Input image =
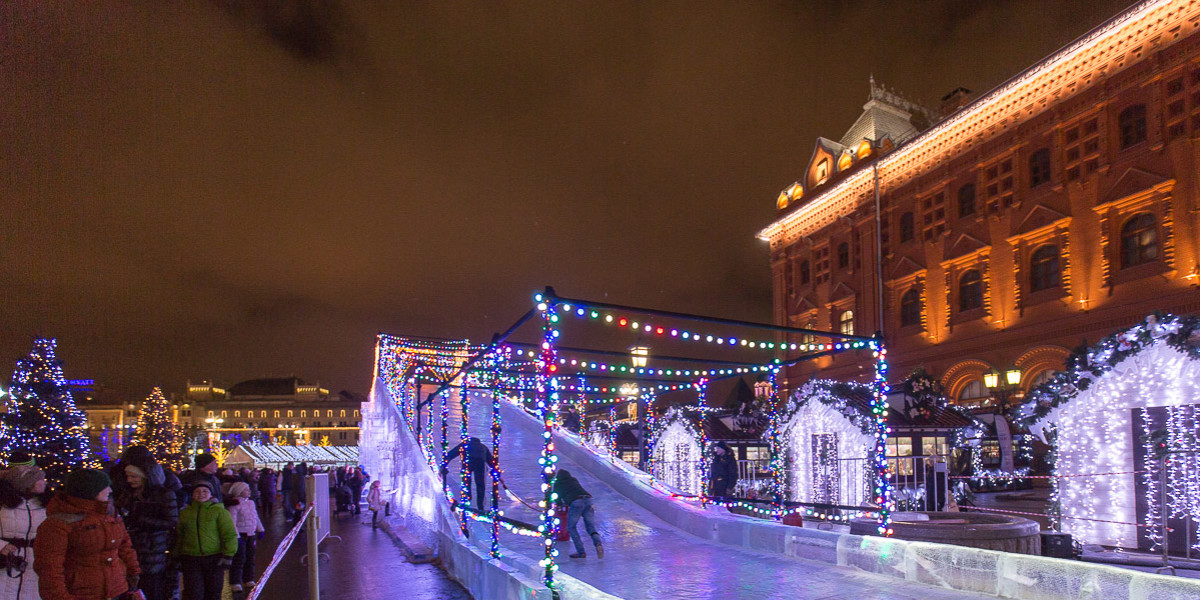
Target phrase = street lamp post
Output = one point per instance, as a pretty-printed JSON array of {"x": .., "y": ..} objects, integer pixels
[
  {"x": 1002, "y": 390},
  {"x": 639, "y": 356}
]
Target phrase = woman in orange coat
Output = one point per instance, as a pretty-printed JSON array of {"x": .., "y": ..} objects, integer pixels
[{"x": 83, "y": 552}]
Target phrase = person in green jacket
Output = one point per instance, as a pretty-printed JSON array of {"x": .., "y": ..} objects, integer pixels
[{"x": 205, "y": 545}]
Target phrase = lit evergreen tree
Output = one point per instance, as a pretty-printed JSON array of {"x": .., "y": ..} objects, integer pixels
[
  {"x": 155, "y": 430},
  {"x": 42, "y": 419}
]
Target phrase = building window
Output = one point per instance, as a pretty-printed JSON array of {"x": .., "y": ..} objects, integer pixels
[
  {"x": 907, "y": 227},
  {"x": 210, "y": 414},
  {"x": 356, "y": 412},
  {"x": 237, "y": 414},
  {"x": 1081, "y": 149},
  {"x": 1044, "y": 272},
  {"x": 974, "y": 394},
  {"x": 970, "y": 291},
  {"x": 822, "y": 171},
  {"x": 1039, "y": 167},
  {"x": 966, "y": 200},
  {"x": 262, "y": 414},
  {"x": 329, "y": 413},
  {"x": 999, "y": 186},
  {"x": 1132, "y": 125},
  {"x": 224, "y": 414},
  {"x": 843, "y": 255},
  {"x": 846, "y": 322},
  {"x": 933, "y": 221},
  {"x": 289, "y": 414},
  {"x": 276, "y": 414},
  {"x": 1139, "y": 240},
  {"x": 805, "y": 273},
  {"x": 343, "y": 415},
  {"x": 910, "y": 308}
]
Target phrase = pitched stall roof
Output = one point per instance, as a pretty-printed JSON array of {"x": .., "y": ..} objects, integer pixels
[
  {"x": 260, "y": 454},
  {"x": 941, "y": 418}
]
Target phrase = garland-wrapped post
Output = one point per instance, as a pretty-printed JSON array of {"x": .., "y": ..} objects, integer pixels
[
  {"x": 464, "y": 471},
  {"x": 495, "y": 550},
  {"x": 879, "y": 410},
  {"x": 612, "y": 432},
  {"x": 441, "y": 457},
  {"x": 773, "y": 445},
  {"x": 547, "y": 409}
]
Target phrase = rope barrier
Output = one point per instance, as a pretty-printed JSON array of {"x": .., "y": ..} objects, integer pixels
[{"x": 280, "y": 550}]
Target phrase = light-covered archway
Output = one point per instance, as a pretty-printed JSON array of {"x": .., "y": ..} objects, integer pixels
[
  {"x": 825, "y": 449},
  {"x": 678, "y": 457}
]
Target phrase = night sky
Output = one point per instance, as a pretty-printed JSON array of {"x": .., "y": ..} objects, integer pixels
[{"x": 227, "y": 190}]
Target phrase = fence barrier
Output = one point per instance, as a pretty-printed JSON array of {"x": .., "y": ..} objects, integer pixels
[{"x": 280, "y": 551}]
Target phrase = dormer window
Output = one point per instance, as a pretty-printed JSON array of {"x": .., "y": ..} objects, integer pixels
[
  {"x": 845, "y": 161},
  {"x": 822, "y": 171}
]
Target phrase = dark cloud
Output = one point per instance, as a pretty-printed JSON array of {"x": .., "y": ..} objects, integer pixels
[{"x": 233, "y": 189}]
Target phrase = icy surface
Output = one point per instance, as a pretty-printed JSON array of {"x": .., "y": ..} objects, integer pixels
[{"x": 648, "y": 558}]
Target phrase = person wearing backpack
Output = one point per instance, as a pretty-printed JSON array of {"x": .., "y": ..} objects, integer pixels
[
  {"x": 83, "y": 552},
  {"x": 206, "y": 544}
]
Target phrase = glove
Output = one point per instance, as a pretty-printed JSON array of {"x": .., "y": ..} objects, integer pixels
[
  {"x": 225, "y": 562},
  {"x": 132, "y": 581}
]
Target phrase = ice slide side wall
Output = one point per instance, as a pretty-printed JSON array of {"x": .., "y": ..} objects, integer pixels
[
  {"x": 418, "y": 501},
  {"x": 1003, "y": 574}
]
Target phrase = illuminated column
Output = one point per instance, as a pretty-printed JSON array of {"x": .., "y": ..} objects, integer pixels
[{"x": 547, "y": 408}]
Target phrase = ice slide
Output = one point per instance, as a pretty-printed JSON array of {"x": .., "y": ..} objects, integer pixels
[{"x": 648, "y": 558}]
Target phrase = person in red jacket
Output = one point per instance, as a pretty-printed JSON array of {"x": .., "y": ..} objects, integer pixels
[{"x": 83, "y": 552}]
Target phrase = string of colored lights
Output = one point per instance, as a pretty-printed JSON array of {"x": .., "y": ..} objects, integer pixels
[
  {"x": 879, "y": 408},
  {"x": 547, "y": 408}
]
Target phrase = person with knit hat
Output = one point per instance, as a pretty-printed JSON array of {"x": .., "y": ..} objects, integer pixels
[
  {"x": 249, "y": 527},
  {"x": 206, "y": 470},
  {"x": 23, "y": 501},
  {"x": 83, "y": 552},
  {"x": 152, "y": 517},
  {"x": 206, "y": 543}
]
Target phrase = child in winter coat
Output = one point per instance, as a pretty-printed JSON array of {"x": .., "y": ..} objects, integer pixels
[
  {"x": 23, "y": 502},
  {"x": 83, "y": 552},
  {"x": 206, "y": 544},
  {"x": 375, "y": 500},
  {"x": 249, "y": 528}
]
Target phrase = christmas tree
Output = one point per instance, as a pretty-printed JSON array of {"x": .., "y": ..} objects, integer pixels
[
  {"x": 157, "y": 432},
  {"x": 42, "y": 419}
]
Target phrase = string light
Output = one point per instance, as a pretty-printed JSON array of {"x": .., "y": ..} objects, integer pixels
[
  {"x": 157, "y": 432},
  {"x": 41, "y": 417}
]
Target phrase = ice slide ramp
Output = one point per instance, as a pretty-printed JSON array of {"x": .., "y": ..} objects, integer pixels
[{"x": 663, "y": 548}]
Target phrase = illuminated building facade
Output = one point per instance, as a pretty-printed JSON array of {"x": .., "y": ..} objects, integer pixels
[
  {"x": 1060, "y": 206},
  {"x": 283, "y": 410}
]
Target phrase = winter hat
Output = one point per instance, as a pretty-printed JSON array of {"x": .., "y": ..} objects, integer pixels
[
  {"x": 237, "y": 488},
  {"x": 205, "y": 483},
  {"x": 135, "y": 470},
  {"x": 203, "y": 460},
  {"x": 23, "y": 477},
  {"x": 20, "y": 459},
  {"x": 86, "y": 483}
]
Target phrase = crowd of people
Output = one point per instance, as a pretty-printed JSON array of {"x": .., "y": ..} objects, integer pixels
[{"x": 136, "y": 529}]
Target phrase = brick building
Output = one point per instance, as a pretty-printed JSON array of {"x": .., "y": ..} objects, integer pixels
[{"x": 1062, "y": 205}]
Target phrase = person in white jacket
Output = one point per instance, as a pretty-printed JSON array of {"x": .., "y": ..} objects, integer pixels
[
  {"x": 249, "y": 528},
  {"x": 22, "y": 510}
]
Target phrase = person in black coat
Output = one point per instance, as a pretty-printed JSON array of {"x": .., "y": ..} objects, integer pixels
[
  {"x": 206, "y": 472},
  {"x": 356, "y": 480},
  {"x": 285, "y": 488},
  {"x": 151, "y": 516},
  {"x": 266, "y": 491},
  {"x": 724, "y": 474},
  {"x": 477, "y": 458}
]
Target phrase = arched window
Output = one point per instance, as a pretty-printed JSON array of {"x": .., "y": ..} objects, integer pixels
[
  {"x": 970, "y": 290},
  {"x": 910, "y": 308},
  {"x": 974, "y": 392},
  {"x": 966, "y": 200},
  {"x": 846, "y": 322},
  {"x": 843, "y": 255},
  {"x": 1041, "y": 378},
  {"x": 343, "y": 415},
  {"x": 1044, "y": 272},
  {"x": 262, "y": 414},
  {"x": 1139, "y": 240},
  {"x": 237, "y": 414},
  {"x": 210, "y": 414},
  {"x": 276, "y": 414},
  {"x": 1039, "y": 167},
  {"x": 304, "y": 414},
  {"x": 907, "y": 228},
  {"x": 289, "y": 414},
  {"x": 1132, "y": 125},
  {"x": 224, "y": 414},
  {"x": 805, "y": 273},
  {"x": 356, "y": 412},
  {"x": 329, "y": 413}
]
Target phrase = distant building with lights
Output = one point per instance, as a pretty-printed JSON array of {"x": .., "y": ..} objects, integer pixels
[
  {"x": 283, "y": 410},
  {"x": 1062, "y": 205}
]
